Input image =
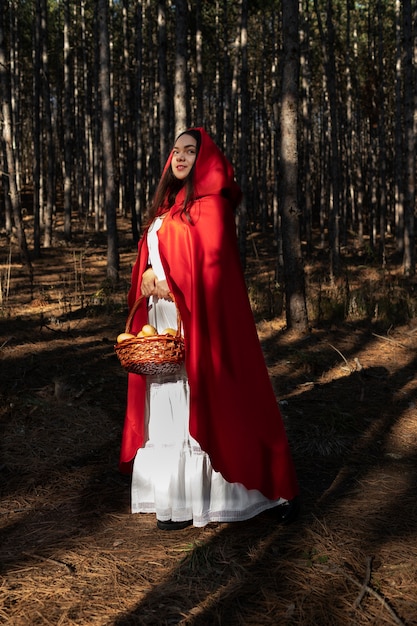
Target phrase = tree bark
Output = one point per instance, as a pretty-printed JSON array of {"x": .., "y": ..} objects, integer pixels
[
  {"x": 328, "y": 45},
  {"x": 49, "y": 140},
  {"x": 12, "y": 187},
  {"x": 409, "y": 258},
  {"x": 139, "y": 187},
  {"x": 296, "y": 309},
  {"x": 163, "y": 84},
  {"x": 36, "y": 133},
  {"x": 199, "y": 113},
  {"x": 398, "y": 148},
  {"x": 180, "y": 94},
  {"x": 107, "y": 129},
  {"x": 67, "y": 121},
  {"x": 244, "y": 140},
  {"x": 382, "y": 139}
]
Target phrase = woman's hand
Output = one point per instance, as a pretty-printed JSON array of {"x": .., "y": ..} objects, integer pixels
[
  {"x": 151, "y": 286},
  {"x": 148, "y": 284},
  {"x": 162, "y": 290}
]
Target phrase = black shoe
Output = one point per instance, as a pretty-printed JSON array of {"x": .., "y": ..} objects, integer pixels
[
  {"x": 287, "y": 512},
  {"x": 170, "y": 525}
]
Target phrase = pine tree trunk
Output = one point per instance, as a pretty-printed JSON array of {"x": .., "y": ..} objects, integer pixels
[
  {"x": 36, "y": 133},
  {"x": 334, "y": 213},
  {"x": 84, "y": 137},
  {"x": 296, "y": 310},
  {"x": 47, "y": 116},
  {"x": 398, "y": 149},
  {"x": 67, "y": 119},
  {"x": 163, "y": 84},
  {"x": 107, "y": 129},
  {"x": 409, "y": 259},
  {"x": 180, "y": 95},
  {"x": 305, "y": 158},
  {"x": 232, "y": 113},
  {"x": 199, "y": 113},
  {"x": 244, "y": 132},
  {"x": 382, "y": 161},
  {"x": 12, "y": 188},
  {"x": 139, "y": 187},
  {"x": 328, "y": 47}
]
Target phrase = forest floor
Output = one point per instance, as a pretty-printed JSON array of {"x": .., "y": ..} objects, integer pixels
[{"x": 72, "y": 554}]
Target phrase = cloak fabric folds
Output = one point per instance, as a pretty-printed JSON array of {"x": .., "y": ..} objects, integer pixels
[
  {"x": 234, "y": 415},
  {"x": 172, "y": 476}
]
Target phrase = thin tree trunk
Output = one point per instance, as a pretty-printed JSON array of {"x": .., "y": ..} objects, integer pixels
[
  {"x": 16, "y": 67},
  {"x": 85, "y": 166},
  {"x": 244, "y": 132},
  {"x": 307, "y": 127},
  {"x": 199, "y": 113},
  {"x": 275, "y": 153},
  {"x": 107, "y": 129},
  {"x": 97, "y": 140},
  {"x": 409, "y": 259},
  {"x": 382, "y": 139},
  {"x": 328, "y": 46},
  {"x": 180, "y": 95},
  {"x": 398, "y": 149},
  {"x": 50, "y": 147},
  {"x": 334, "y": 214},
  {"x": 296, "y": 309},
  {"x": 163, "y": 84},
  {"x": 139, "y": 187},
  {"x": 123, "y": 116},
  {"x": 67, "y": 120},
  {"x": 232, "y": 113},
  {"x": 6, "y": 110},
  {"x": 36, "y": 133},
  {"x": 218, "y": 82},
  {"x": 8, "y": 220}
]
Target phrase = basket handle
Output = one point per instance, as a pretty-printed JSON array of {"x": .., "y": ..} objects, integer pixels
[{"x": 136, "y": 306}]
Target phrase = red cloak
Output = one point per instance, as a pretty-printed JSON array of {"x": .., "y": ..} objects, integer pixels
[{"x": 234, "y": 414}]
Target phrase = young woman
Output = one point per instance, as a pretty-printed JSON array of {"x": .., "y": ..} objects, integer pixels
[{"x": 209, "y": 443}]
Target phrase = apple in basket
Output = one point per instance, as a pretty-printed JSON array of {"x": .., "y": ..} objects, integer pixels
[
  {"x": 124, "y": 337},
  {"x": 147, "y": 331},
  {"x": 169, "y": 331}
]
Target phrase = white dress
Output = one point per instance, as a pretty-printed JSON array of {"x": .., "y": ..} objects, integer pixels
[{"x": 172, "y": 475}]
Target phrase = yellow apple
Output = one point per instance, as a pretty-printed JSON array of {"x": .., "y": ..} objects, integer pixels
[
  {"x": 148, "y": 330},
  {"x": 123, "y": 337}
]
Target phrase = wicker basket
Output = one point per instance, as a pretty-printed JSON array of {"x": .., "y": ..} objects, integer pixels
[{"x": 157, "y": 354}]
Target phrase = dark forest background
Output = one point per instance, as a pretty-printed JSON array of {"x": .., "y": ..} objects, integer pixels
[{"x": 93, "y": 94}]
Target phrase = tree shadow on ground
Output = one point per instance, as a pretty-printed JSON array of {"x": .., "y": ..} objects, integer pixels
[
  {"x": 59, "y": 457},
  {"x": 309, "y": 573}
]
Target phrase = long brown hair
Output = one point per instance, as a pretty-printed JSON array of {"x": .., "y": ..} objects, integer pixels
[{"x": 169, "y": 186}]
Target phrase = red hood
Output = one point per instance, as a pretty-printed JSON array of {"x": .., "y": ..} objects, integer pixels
[{"x": 213, "y": 174}]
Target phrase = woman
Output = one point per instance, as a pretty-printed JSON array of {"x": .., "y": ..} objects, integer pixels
[{"x": 209, "y": 444}]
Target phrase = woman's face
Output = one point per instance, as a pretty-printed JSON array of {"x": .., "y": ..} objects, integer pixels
[{"x": 184, "y": 155}]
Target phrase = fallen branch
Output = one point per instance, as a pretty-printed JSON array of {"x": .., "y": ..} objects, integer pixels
[
  {"x": 5, "y": 342},
  {"x": 365, "y": 584},
  {"x": 47, "y": 559},
  {"x": 397, "y": 343},
  {"x": 345, "y": 360},
  {"x": 366, "y": 588}
]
